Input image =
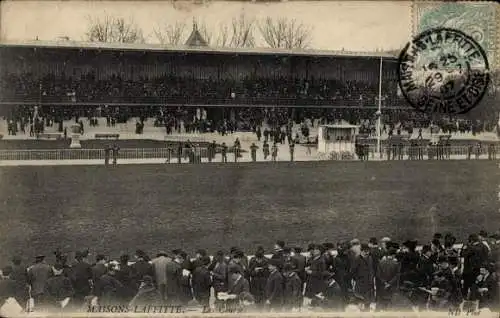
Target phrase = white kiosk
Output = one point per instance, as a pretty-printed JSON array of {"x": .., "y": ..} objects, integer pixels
[
  {"x": 75, "y": 136},
  {"x": 337, "y": 139}
]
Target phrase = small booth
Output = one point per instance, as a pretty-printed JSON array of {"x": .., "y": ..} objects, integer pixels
[
  {"x": 338, "y": 139},
  {"x": 75, "y": 136}
]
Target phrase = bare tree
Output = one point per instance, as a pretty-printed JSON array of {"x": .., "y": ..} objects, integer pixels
[
  {"x": 242, "y": 32},
  {"x": 112, "y": 29},
  {"x": 171, "y": 34},
  {"x": 285, "y": 33},
  {"x": 205, "y": 32},
  {"x": 223, "y": 39}
]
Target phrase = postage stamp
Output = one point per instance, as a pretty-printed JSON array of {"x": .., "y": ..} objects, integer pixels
[{"x": 478, "y": 20}]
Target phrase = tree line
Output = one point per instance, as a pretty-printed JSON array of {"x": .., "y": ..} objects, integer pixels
[{"x": 240, "y": 32}]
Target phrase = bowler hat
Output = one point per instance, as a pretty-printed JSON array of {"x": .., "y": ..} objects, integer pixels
[
  {"x": 238, "y": 254},
  {"x": 354, "y": 242},
  {"x": 162, "y": 253}
]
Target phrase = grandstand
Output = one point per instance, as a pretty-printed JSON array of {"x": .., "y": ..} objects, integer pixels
[
  {"x": 63, "y": 73},
  {"x": 195, "y": 89}
]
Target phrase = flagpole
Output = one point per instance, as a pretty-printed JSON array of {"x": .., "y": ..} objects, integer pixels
[{"x": 379, "y": 111}]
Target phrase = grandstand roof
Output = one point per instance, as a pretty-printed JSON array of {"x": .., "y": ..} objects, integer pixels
[{"x": 185, "y": 48}]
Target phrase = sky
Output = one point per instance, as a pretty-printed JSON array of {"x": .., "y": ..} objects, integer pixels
[{"x": 336, "y": 25}]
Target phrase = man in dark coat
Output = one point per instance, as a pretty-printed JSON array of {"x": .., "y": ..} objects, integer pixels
[
  {"x": 448, "y": 293},
  {"x": 363, "y": 275},
  {"x": 202, "y": 282},
  {"x": 288, "y": 259},
  {"x": 475, "y": 254},
  {"x": 426, "y": 268},
  {"x": 115, "y": 151},
  {"x": 292, "y": 291},
  {"x": 174, "y": 277},
  {"x": 279, "y": 253},
  {"x": 19, "y": 275},
  {"x": 141, "y": 267},
  {"x": 212, "y": 148},
  {"x": 81, "y": 278},
  {"x": 219, "y": 273},
  {"x": 485, "y": 288},
  {"x": 274, "y": 286},
  {"x": 109, "y": 290},
  {"x": 329, "y": 255},
  {"x": 237, "y": 282},
  {"x": 187, "y": 267},
  {"x": 342, "y": 271},
  {"x": 200, "y": 255},
  {"x": 258, "y": 275},
  {"x": 58, "y": 288},
  {"x": 388, "y": 271},
  {"x": 99, "y": 268},
  {"x": 38, "y": 274},
  {"x": 107, "y": 154},
  {"x": 376, "y": 252},
  {"x": 409, "y": 259},
  {"x": 300, "y": 261},
  {"x": 238, "y": 260},
  {"x": 125, "y": 276},
  {"x": 316, "y": 272}
]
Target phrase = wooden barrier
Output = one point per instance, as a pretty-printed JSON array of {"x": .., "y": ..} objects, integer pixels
[
  {"x": 107, "y": 136},
  {"x": 56, "y": 136}
]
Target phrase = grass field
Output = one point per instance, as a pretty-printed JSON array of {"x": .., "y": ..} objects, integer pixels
[{"x": 119, "y": 209}]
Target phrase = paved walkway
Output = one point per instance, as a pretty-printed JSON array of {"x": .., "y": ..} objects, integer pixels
[
  {"x": 127, "y": 131},
  {"x": 93, "y": 162}
]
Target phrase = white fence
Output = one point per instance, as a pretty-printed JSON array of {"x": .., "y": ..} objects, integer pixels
[
  {"x": 455, "y": 152},
  {"x": 88, "y": 154}
]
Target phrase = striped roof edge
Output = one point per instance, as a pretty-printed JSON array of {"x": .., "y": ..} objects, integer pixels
[{"x": 189, "y": 49}]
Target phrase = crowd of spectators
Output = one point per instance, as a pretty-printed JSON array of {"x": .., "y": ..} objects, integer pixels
[
  {"x": 173, "y": 89},
  {"x": 232, "y": 119},
  {"x": 377, "y": 275}
]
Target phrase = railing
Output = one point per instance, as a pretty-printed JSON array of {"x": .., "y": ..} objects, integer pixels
[
  {"x": 94, "y": 154},
  {"x": 171, "y": 154},
  {"x": 426, "y": 152}
]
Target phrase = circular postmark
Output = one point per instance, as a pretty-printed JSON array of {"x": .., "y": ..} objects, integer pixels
[{"x": 443, "y": 71}]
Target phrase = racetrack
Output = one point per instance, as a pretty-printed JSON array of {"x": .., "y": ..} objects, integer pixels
[{"x": 119, "y": 209}]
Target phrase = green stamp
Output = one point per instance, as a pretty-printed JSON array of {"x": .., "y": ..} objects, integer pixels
[{"x": 476, "y": 19}]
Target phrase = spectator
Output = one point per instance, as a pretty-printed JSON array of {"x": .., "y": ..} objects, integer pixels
[
  {"x": 38, "y": 274},
  {"x": 160, "y": 272}
]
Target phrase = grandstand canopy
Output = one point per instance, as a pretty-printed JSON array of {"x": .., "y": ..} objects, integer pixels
[{"x": 189, "y": 49}]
